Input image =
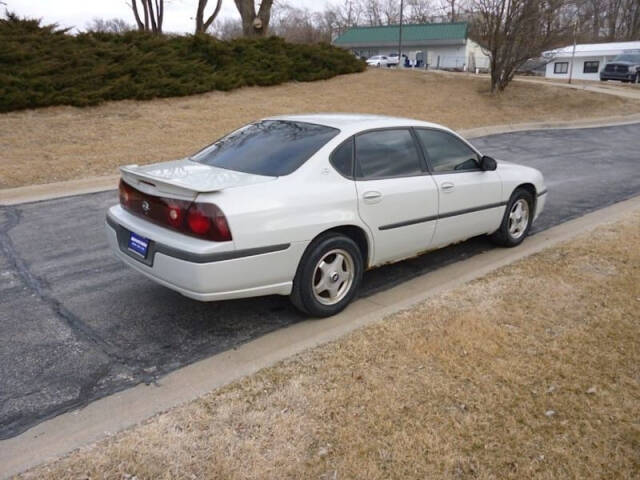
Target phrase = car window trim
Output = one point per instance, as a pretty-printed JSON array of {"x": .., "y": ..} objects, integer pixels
[
  {"x": 351, "y": 139},
  {"x": 429, "y": 162},
  {"x": 423, "y": 166}
]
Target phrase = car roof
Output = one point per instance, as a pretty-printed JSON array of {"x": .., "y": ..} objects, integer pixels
[{"x": 356, "y": 121}]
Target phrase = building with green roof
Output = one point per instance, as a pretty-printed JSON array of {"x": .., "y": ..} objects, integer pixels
[{"x": 442, "y": 45}]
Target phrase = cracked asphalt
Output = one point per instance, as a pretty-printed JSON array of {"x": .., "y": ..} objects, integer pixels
[{"x": 78, "y": 325}]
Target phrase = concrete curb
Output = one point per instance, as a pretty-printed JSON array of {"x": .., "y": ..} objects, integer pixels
[
  {"x": 60, "y": 435},
  {"x": 49, "y": 191},
  {"x": 613, "y": 121}
]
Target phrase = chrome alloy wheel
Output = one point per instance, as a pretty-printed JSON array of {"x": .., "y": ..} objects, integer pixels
[
  {"x": 518, "y": 218},
  {"x": 333, "y": 276}
]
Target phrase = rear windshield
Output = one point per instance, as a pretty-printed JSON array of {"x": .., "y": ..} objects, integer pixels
[
  {"x": 270, "y": 147},
  {"x": 628, "y": 57}
]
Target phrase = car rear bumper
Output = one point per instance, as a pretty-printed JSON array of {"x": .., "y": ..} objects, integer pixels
[{"x": 210, "y": 276}]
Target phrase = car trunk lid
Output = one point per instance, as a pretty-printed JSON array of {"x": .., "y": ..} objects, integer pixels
[{"x": 185, "y": 179}]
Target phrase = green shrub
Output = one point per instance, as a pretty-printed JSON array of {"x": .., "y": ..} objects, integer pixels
[{"x": 43, "y": 65}]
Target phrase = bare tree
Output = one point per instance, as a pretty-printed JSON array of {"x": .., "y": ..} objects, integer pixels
[
  {"x": 340, "y": 17},
  {"x": 419, "y": 11},
  {"x": 227, "y": 28},
  {"x": 512, "y": 31},
  {"x": 152, "y": 15},
  {"x": 299, "y": 25},
  {"x": 449, "y": 6},
  {"x": 112, "y": 25},
  {"x": 254, "y": 23},
  {"x": 606, "y": 20},
  {"x": 203, "y": 25}
]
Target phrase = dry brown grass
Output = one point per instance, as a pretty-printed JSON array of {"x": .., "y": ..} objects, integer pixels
[
  {"x": 530, "y": 372},
  {"x": 62, "y": 143}
]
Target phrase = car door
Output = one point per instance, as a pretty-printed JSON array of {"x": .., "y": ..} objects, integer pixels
[
  {"x": 397, "y": 198},
  {"x": 469, "y": 199}
]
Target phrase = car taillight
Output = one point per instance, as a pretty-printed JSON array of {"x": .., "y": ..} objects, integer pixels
[
  {"x": 207, "y": 220},
  {"x": 175, "y": 216},
  {"x": 202, "y": 220},
  {"x": 124, "y": 191}
]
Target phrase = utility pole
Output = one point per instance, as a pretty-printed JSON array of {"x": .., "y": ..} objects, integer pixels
[
  {"x": 400, "y": 35},
  {"x": 573, "y": 53}
]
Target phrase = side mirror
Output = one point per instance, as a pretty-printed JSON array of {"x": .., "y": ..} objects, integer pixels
[{"x": 487, "y": 163}]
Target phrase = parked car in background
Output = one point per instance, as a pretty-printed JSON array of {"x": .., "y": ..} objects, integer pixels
[
  {"x": 379, "y": 61},
  {"x": 302, "y": 205},
  {"x": 625, "y": 67},
  {"x": 393, "y": 58}
]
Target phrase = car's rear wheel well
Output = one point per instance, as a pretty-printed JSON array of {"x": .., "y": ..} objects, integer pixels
[
  {"x": 530, "y": 187},
  {"x": 357, "y": 235}
]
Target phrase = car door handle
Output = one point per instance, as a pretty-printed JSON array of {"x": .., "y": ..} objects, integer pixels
[
  {"x": 372, "y": 196},
  {"x": 447, "y": 186}
]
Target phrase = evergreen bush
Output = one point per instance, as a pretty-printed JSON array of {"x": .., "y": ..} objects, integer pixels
[{"x": 42, "y": 65}]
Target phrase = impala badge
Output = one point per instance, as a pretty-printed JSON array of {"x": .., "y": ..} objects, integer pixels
[{"x": 146, "y": 207}]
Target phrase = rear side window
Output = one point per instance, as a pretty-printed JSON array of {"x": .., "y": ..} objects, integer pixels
[
  {"x": 271, "y": 147},
  {"x": 342, "y": 158},
  {"x": 386, "y": 153},
  {"x": 447, "y": 153}
]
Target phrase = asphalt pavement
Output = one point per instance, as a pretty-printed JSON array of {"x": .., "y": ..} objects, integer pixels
[{"x": 77, "y": 325}]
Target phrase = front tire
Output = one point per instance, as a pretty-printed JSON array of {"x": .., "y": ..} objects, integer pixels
[
  {"x": 328, "y": 276},
  {"x": 517, "y": 219}
]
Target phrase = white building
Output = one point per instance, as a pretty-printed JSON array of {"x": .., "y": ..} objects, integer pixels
[
  {"x": 443, "y": 45},
  {"x": 588, "y": 60}
]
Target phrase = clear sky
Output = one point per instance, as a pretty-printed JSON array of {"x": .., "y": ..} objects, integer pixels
[{"x": 178, "y": 13}]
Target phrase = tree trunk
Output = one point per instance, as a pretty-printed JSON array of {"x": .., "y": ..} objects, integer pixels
[
  {"x": 254, "y": 24},
  {"x": 153, "y": 15},
  {"x": 203, "y": 25}
]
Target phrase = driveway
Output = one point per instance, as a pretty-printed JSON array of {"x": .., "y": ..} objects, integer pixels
[
  {"x": 77, "y": 325},
  {"x": 617, "y": 89}
]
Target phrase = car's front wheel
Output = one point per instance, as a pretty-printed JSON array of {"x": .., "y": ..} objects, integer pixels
[
  {"x": 517, "y": 219},
  {"x": 328, "y": 276}
]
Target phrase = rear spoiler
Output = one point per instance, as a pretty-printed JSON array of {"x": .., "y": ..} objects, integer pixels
[
  {"x": 185, "y": 179},
  {"x": 158, "y": 186}
]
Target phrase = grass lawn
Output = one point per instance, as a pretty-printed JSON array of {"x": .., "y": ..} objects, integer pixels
[
  {"x": 62, "y": 143},
  {"x": 532, "y": 371}
]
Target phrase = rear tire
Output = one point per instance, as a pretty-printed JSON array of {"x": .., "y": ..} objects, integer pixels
[
  {"x": 328, "y": 276},
  {"x": 517, "y": 219}
]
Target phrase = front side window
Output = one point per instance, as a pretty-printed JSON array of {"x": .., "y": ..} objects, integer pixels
[
  {"x": 591, "y": 67},
  {"x": 561, "y": 67},
  {"x": 447, "y": 153},
  {"x": 386, "y": 153},
  {"x": 628, "y": 57},
  {"x": 270, "y": 147}
]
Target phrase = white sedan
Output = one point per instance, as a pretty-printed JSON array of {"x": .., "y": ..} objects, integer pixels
[
  {"x": 381, "y": 61},
  {"x": 302, "y": 205}
]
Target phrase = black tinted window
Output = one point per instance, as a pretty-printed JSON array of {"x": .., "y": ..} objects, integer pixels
[
  {"x": 270, "y": 147},
  {"x": 342, "y": 158},
  {"x": 446, "y": 152},
  {"x": 386, "y": 153},
  {"x": 628, "y": 57}
]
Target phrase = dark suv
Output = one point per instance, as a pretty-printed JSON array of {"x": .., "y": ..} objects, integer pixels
[{"x": 625, "y": 67}]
